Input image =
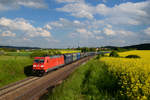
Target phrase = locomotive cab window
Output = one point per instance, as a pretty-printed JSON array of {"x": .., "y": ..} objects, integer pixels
[{"x": 39, "y": 60}]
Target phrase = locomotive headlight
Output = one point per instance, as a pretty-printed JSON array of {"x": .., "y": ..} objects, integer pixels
[
  {"x": 34, "y": 65},
  {"x": 42, "y": 65}
]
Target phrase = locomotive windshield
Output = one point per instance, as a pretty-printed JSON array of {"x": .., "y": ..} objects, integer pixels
[{"x": 39, "y": 60}]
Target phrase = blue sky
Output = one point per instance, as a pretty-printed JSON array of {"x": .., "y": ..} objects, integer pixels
[{"x": 67, "y": 23}]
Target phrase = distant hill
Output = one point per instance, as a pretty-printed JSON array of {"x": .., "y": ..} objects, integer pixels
[
  {"x": 15, "y": 47},
  {"x": 111, "y": 47},
  {"x": 145, "y": 46}
]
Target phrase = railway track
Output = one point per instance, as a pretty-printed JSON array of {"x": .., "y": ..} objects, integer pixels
[
  {"x": 16, "y": 85},
  {"x": 32, "y": 87}
]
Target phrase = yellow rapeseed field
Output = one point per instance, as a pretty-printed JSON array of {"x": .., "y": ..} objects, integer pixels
[
  {"x": 133, "y": 74},
  {"x": 69, "y": 51}
]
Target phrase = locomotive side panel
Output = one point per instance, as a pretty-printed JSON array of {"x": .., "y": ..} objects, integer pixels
[{"x": 55, "y": 62}]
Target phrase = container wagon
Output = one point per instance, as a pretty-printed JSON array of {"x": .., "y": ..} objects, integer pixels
[
  {"x": 78, "y": 56},
  {"x": 74, "y": 56},
  {"x": 68, "y": 58}
]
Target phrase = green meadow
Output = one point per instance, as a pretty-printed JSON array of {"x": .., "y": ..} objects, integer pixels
[
  {"x": 14, "y": 68},
  {"x": 18, "y": 53}
]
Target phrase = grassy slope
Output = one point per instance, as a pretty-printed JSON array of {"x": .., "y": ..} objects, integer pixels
[
  {"x": 12, "y": 68},
  {"x": 89, "y": 82}
]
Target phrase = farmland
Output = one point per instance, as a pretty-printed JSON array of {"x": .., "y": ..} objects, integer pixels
[
  {"x": 69, "y": 51},
  {"x": 116, "y": 78},
  {"x": 134, "y": 74},
  {"x": 104, "y": 78}
]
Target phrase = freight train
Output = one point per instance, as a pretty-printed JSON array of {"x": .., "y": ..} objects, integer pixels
[{"x": 42, "y": 65}]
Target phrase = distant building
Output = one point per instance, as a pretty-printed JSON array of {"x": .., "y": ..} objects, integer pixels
[{"x": 18, "y": 50}]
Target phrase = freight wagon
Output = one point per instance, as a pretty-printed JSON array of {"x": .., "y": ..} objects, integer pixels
[
  {"x": 68, "y": 58},
  {"x": 74, "y": 56}
]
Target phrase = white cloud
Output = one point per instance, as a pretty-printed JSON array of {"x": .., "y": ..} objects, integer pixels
[
  {"x": 108, "y": 31},
  {"x": 97, "y": 31},
  {"x": 3, "y": 8},
  {"x": 109, "y": 26},
  {"x": 24, "y": 26},
  {"x": 26, "y": 39},
  {"x": 69, "y": 1},
  {"x": 126, "y": 13},
  {"x": 73, "y": 35},
  {"x": 80, "y": 9},
  {"x": 133, "y": 22},
  {"x": 76, "y": 22},
  {"x": 81, "y": 30},
  {"x": 47, "y": 26},
  {"x": 90, "y": 29},
  {"x": 15, "y": 4},
  {"x": 85, "y": 33},
  {"x": 66, "y": 24},
  {"x": 99, "y": 37},
  {"x": 56, "y": 24},
  {"x": 123, "y": 9},
  {"x": 147, "y": 31},
  {"x": 52, "y": 40},
  {"x": 125, "y": 33},
  {"x": 33, "y": 3},
  {"x": 42, "y": 32},
  {"x": 8, "y": 34},
  {"x": 102, "y": 9}
]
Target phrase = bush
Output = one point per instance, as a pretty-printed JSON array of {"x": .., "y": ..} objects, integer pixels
[
  {"x": 38, "y": 54},
  {"x": 100, "y": 55},
  {"x": 1, "y": 53},
  {"x": 114, "y": 54},
  {"x": 44, "y": 53},
  {"x": 133, "y": 56}
]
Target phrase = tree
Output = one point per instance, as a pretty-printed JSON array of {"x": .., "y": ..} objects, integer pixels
[
  {"x": 133, "y": 56},
  {"x": 114, "y": 54}
]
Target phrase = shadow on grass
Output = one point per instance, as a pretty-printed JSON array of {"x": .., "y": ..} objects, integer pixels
[
  {"x": 100, "y": 84},
  {"x": 45, "y": 96},
  {"x": 28, "y": 70}
]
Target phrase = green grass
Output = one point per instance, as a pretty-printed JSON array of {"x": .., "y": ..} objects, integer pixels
[
  {"x": 91, "y": 81},
  {"x": 12, "y": 68},
  {"x": 18, "y": 53}
]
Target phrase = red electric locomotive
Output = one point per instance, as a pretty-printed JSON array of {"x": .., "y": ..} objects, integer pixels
[{"x": 45, "y": 64}]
